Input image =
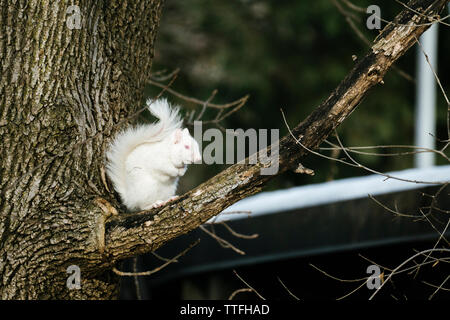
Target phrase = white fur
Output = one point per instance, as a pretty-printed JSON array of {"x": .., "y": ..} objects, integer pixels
[{"x": 145, "y": 162}]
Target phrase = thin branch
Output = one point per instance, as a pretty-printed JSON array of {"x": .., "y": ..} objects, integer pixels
[
  {"x": 354, "y": 7},
  {"x": 289, "y": 291},
  {"x": 352, "y": 292},
  {"x": 355, "y": 163},
  {"x": 363, "y": 280},
  {"x": 147, "y": 273},
  {"x": 349, "y": 18},
  {"x": 336, "y": 278},
  {"x": 441, "y": 20},
  {"x": 442, "y": 90},
  {"x": 402, "y": 264},
  {"x": 440, "y": 287},
  {"x": 380, "y": 173},
  {"x": 434, "y": 260},
  {"x": 239, "y": 291},
  {"x": 441, "y": 236},
  {"x": 200, "y": 102},
  {"x": 356, "y": 150},
  {"x": 374, "y": 263},
  {"x": 249, "y": 286},
  {"x": 211, "y": 97},
  {"x": 162, "y": 258},
  {"x": 239, "y": 235},
  {"x": 396, "y": 212},
  {"x": 160, "y": 77},
  {"x": 224, "y": 243},
  {"x": 137, "y": 285}
]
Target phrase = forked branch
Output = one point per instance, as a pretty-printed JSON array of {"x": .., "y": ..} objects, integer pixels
[{"x": 128, "y": 235}]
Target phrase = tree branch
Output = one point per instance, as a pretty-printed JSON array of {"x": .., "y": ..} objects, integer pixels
[{"x": 131, "y": 234}]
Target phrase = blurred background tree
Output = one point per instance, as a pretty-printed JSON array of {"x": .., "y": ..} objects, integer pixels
[{"x": 290, "y": 55}]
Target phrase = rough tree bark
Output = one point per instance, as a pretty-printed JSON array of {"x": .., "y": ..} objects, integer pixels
[
  {"x": 59, "y": 87},
  {"x": 63, "y": 91}
]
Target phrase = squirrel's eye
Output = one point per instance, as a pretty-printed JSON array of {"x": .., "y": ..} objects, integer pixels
[{"x": 186, "y": 147}]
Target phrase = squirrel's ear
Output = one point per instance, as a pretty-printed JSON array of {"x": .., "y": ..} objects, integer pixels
[
  {"x": 177, "y": 136},
  {"x": 186, "y": 131}
]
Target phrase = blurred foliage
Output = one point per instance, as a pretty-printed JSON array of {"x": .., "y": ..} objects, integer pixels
[{"x": 290, "y": 55}]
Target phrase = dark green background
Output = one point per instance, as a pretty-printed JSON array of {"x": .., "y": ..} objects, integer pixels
[{"x": 290, "y": 55}]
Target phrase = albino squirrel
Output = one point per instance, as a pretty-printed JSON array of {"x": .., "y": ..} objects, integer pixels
[{"x": 145, "y": 162}]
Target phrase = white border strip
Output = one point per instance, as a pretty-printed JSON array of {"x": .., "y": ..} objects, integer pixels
[{"x": 333, "y": 191}]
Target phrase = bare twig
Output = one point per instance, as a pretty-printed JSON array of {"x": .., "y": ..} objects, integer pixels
[
  {"x": 162, "y": 258},
  {"x": 362, "y": 280},
  {"x": 433, "y": 260},
  {"x": 239, "y": 291},
  {"x": 200, "y": 102},
  {"x": 147, "y": 273},
  {"x": 441, "y": 236},
  {"x": 137, "y": 285},
  {"x": 349, "y": 18},
  {"x": 355, "y": 163},
  {"x": 402, "y": 264},
  {"x": 433, "y": 19},
  {"x": 442, "y": 90},
  {"x": 415, "y": 148},
  {"x": 289, "y": 291},
  {"x": 239, "y": 235},
  {"x": 396, "y": 211},
  {"x": 440, "y": 287},
  {"x": 250, "y": 287},
  {"x": 160, "y": 75},
  {"x": 336, "y": 278},
  {"x": 213, "y": 94},
  {"x": 383, "y": 174},
  {"x": 224, "y": 243},
  {"x": 352, "y": 292},
  {"x": 354, "y": 7}
]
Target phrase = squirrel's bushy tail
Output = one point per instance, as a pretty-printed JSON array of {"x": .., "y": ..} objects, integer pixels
[
  {"x": 127, "y": 140},
  {"x": 169, "y": 118}
]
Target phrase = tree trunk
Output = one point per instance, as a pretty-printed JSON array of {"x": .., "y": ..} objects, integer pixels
[
  {"x": 61, "y": 91},
  {"x": 64, "y": 93}
]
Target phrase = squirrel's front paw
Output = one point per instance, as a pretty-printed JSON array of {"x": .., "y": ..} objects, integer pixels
[
  {"x": 155, "y": 204},
  {"x": 182, "y": 171}
]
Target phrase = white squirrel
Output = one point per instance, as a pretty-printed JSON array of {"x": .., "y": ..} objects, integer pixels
[{"x": 144, "y": 162}]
